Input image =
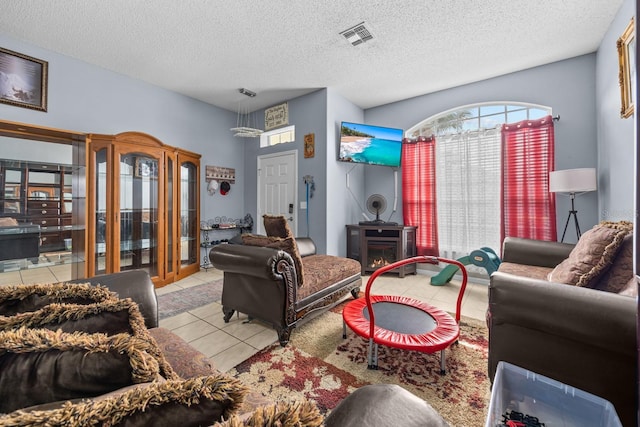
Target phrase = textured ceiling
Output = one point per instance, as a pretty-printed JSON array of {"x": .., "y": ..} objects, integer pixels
[{"x": 281, "y": 49}]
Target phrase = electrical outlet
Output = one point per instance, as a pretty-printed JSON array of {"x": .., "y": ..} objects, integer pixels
[{"x": 303, "y": 205}]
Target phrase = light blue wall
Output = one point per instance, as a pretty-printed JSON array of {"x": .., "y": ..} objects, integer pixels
[
  {"x": 565, "y": 86},
  {"x": 343, "y": 203},
  {"x": 332, "y": 206},
  {"x": 86, "y": 98},
  {"x": 615, "y": 135},
  {"x": 309, "y": 115}
]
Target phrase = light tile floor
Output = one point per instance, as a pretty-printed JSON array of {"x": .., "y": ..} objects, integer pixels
[{"x": 228, "y": 344}]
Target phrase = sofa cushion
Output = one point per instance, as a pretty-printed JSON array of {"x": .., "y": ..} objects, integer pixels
[
  {"x": 592, "y": 255},
  {"x": 39, "y": 365},
  {"x": 530, "y": 271},
  {"x": 277, "y": 226},
  {"x": 20, "y": 298},
  {"x": 630, "y": 289},
  {"x": 186, "y": 361},
  {"x": 110, "y": 317},
  {"x": 287, "y": 244},
  {"x": 279, "y": 414},
  {"x": 195, "y": 402},
  {"x": 621, "y": 271},
  {"x": 324, "y": 270}
]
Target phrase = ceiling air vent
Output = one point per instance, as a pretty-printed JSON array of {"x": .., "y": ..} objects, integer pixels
[{"x": 357, "y": 35}]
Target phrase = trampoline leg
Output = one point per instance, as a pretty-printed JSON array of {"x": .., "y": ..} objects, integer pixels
[
  {"x": 372, "y": 355},
  {"x": 442, "y": 363},
  {"x": 344, "y": 330},
  {"x": 375, "y": 356}
]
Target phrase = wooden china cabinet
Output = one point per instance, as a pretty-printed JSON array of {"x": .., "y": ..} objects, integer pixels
[{"x": 143, "y": 207}]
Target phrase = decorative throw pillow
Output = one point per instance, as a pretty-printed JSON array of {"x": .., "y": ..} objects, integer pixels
[
  {"x": 285, "y": 244},
  {"x": 592, "y": 255},
  {"x": 20, "y": 298},
  {"x": 109, "y": 317},
  {"x": 259, "y": 240},
  {"x": 621, "y": 271},
  {"x": 276, "y": 226},
  {"x": 39, "y": 366},
  {"x": 195, "y": 402},
  {"x": 277, "y": 415}
]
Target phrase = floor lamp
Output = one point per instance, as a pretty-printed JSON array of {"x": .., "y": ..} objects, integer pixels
[{"x": 572, "y": 181}]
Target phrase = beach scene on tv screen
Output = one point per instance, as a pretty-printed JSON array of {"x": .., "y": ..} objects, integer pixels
[{"x": 375, "y": 145}]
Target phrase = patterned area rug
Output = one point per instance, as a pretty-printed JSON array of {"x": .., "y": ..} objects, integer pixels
[
  {"x": 187, "y": 299},
  {"x": 320, "y": 365}
]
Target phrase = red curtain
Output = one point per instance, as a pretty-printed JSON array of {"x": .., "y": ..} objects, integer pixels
[
  {"x": 528, "y": 209},
  {"x": 419, "y": 192}
]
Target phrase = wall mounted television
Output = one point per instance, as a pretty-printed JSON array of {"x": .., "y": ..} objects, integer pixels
[{"x": 373, "y": 145}]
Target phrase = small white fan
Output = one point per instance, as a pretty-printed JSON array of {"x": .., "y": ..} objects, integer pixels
[{"x": 377, "y": 204}]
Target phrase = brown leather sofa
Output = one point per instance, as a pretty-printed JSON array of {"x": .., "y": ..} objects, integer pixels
[
  {"x": 361, "y": 408},
  {"x": 582, "y": 337},
  {"x": 262, "y": 282}
]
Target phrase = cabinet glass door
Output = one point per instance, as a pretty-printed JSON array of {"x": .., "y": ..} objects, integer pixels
[
  {"x": 170, "y": 216},
  {"x": 101, "y": 209},
  {"x": 138, "y": 212},
  {"x": 189, "y": 251}
]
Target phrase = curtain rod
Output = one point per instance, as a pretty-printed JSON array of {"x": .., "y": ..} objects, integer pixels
[{"x": 556, "y": 118}]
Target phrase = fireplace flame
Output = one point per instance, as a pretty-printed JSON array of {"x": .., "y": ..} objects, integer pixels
[{"x": 379, "y": 262}]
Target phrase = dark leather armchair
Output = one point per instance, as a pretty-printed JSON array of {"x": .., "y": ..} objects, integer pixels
[{"x": 582, "y": 337}]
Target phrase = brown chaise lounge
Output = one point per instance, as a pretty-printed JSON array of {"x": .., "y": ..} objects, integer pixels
[{"x": 280, "y": 279}]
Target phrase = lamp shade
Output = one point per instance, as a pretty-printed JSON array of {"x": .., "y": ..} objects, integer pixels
[{"x": 573, "y": 180}]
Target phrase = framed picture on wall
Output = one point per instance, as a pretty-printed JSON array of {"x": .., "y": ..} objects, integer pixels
[
  {"x": 309, "y": 145},
  {"x": 627, "y": 59},
  {"x": 23, "y": 80}
]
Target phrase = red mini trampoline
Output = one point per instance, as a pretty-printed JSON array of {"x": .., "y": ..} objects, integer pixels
[{"x": 401, "y": 322}]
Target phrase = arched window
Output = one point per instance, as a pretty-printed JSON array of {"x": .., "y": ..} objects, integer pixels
[
  {"x": 464, "y": 197},
  {"x": 476, "y": 117}
]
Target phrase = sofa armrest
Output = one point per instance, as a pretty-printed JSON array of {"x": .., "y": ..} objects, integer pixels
[
  {"x": 534, "y": 252},
  {"x": 254, "y": 261},
  {"x": 581, "y": 337},
  {"x": 260, "y": 282},
  {"x": 134, "y": 284}
]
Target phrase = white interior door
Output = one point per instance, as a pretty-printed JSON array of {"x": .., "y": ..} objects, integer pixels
[{"x": 278, "y": 188}]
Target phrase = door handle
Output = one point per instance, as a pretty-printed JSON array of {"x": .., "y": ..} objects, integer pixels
[{"x": 290, "y": 218}]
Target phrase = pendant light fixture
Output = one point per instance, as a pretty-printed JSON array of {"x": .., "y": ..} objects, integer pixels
[{"x": 245, "y": 126}]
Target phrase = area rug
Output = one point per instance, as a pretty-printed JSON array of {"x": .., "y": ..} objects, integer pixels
[
  {"x": 319, "y": 365},
  {"x": 177, "y": 302}
]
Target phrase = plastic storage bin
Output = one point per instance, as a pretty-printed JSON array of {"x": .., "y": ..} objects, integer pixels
[{"x": 555, "y": 404}]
